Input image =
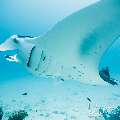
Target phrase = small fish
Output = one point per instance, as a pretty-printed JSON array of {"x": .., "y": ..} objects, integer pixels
[
  {"x": 62, "y": 79},
  {"x": 89, "y": 99},
  {"x": 25, "y": 93}
]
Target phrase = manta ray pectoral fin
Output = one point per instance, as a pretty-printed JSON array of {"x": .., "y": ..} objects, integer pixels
[
  {"x": 8, "y": 44},
  {"x": 2, "y": 48},
  {"x": 83, "y": 38},
  {"x": 23, "y": 44},
  {"x": 16, "y": 41}
]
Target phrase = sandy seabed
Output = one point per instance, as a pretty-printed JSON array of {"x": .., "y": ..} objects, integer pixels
[{"x": 49, "y": 99}]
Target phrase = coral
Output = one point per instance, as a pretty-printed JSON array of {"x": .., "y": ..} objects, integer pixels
[
  {"x": 112, "y": 115},
  {"x": 18, "y": 115},
  {"x": 1, "y": 113}
]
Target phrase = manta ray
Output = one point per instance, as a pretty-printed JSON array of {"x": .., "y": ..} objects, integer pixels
[{"x": 74, "y": 47}]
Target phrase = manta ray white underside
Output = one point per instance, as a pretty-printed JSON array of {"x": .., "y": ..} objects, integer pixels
[{"x": 73, "y": 48}]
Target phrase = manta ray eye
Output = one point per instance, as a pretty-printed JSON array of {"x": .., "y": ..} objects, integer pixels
[{"x": 15, "y": 40}]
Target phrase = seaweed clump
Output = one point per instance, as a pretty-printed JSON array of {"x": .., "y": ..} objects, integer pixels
[
  {"x": 1, "y": 113},
  {"x": 113, "y": 115},
  {"x": 18, "y": 115}
]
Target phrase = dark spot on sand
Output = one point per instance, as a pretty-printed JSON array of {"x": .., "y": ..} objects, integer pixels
[
  {"x": 62, "y": 79},
  {"x": 43, "y": 101},
  {"x": 55, "y": 112},
  {"x": 74, "y": 67},
  {"x": 25, "y": 93}
]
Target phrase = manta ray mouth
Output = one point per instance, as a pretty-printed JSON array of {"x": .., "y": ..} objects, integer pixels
[{"x": 25, "y": 36}]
